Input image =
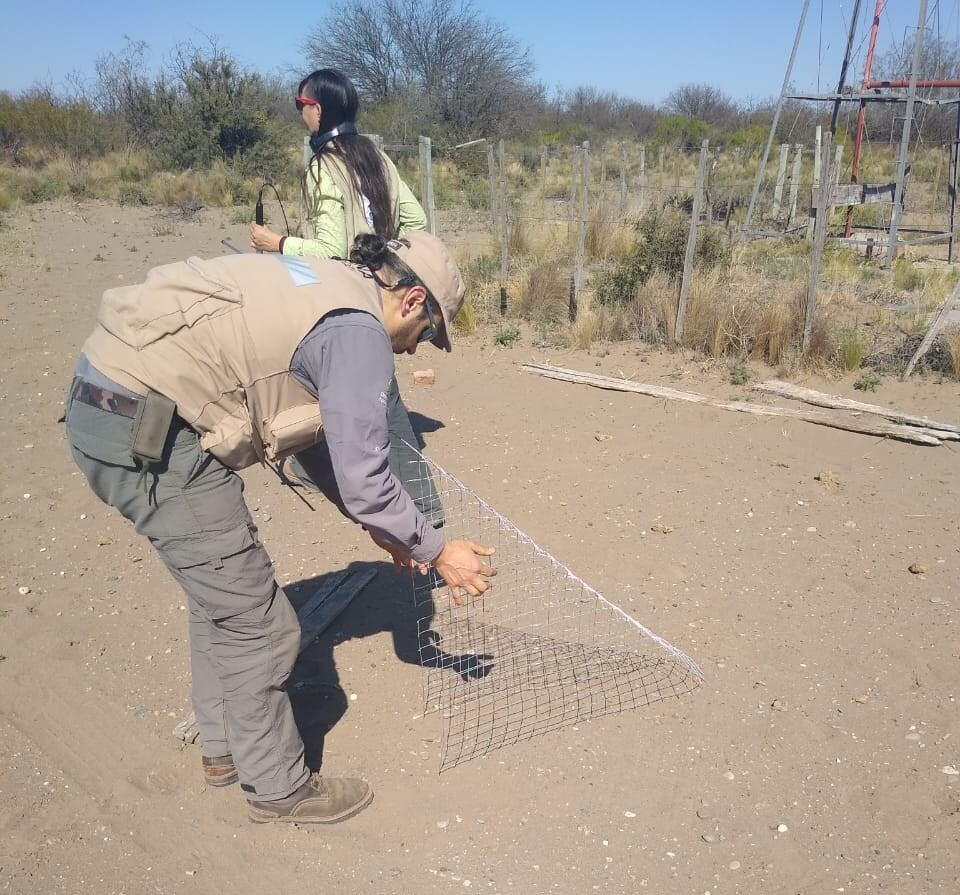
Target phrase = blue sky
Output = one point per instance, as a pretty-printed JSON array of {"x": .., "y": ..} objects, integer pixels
[{"x": 639, "y": 48}]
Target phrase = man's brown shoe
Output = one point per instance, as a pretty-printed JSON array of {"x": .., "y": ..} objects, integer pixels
[
  {"x": 321, "y": 800},
  {"x": 219, "y": 771}
]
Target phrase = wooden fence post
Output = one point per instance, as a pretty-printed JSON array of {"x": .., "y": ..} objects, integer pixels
[
  {"x": 582, "y": 236},
  {"x": 811, "y": 214},
  {"x": 504, "y": 230},
  {"x": 794, "y": 184},
  {"x": 688, "y": 257},
  {"x": 426, "y": 180},
  {"x": 643, "y": 177},
  {"x": 572, "y": 205},
  {"x": 660, "y": 181},
  {"x": 781, "y": 177},
  {"x": 824, "y": 195},
  {"x": 603, "y": 173},
  {"x": 623, "y": 179},
  {"x": 543, "y": 180},
  {"x": 492, "y": 177}
]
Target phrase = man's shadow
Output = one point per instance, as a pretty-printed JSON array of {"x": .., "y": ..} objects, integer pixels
[
  {"x": 386, "y": 605},
  {"x": 422, "y": 424}
]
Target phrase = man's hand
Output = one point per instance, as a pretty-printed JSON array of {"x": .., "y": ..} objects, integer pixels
[
  {"x": 459, "y": 564},
  {"x": 400, "y": 559},
  {"x": 264, "y": 239}
]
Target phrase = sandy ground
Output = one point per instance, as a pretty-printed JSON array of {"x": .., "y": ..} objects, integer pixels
[{"x": 832, "y": 672}]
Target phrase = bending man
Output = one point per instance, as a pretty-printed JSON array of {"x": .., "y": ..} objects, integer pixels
[{"x": 211, "y": 366}]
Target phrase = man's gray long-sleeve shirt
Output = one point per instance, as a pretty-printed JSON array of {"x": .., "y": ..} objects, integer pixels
[{"x": 347, "y": 361}]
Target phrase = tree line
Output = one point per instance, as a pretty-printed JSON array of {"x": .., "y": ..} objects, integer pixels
[{"x": 438, "y": 67}]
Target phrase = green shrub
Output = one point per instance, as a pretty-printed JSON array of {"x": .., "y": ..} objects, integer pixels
[
  {"x": 507, "y": 336},
  {"x": 868, "y": 382},
  {"x": 739, "y": 374},
  {"x": 661, "y": 246}
]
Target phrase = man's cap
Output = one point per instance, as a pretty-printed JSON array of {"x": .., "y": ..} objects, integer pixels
[{"x": 434, "y": 266}]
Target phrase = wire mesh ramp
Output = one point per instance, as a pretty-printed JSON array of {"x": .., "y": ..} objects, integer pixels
[{"x": 540, "y": 651}]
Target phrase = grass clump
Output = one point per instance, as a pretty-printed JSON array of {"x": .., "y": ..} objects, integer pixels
[
  {"x": 507, "y": 336},
  {"x": 951, "y": 340},
  {"x": 545, "y": 297},
  {"x": 851, "y": 349},
  {"x": 868, "y": 381}
]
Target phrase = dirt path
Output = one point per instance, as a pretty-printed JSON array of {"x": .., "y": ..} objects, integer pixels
[{"x": 831, "y": 671}]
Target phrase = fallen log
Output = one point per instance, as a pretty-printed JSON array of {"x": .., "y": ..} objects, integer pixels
[
  {"x": 821, "y": 399},
  {"x": 864, "y": 426}
]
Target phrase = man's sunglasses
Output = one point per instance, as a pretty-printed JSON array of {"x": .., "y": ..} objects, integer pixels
[
  {"x": 302, "y": 101},
  {"x": 432, "y": 331}
]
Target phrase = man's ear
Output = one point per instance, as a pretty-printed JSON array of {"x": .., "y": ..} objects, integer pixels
[{"x": 413, "y": 299}]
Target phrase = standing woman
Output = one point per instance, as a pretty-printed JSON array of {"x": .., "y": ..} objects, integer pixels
[{"x": 350, "y": 187}]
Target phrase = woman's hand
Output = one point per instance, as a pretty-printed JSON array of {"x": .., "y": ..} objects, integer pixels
[
  {"x": 264, "y": 239},
  {"x": 459, "y": 564}
]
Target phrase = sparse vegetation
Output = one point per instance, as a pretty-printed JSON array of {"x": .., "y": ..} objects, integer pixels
[
  {"x": 203, "y": 131},
  {"x": 851, "y": 348},
  {"x": 951, "y": 340},
  {"x": 507, "y": 336},
  {"x": 868, "y": 381},
  {"x": 739, "y": 374}
]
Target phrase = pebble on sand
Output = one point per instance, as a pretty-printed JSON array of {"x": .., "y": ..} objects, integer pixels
[
  {"x": 23, "y": 591},
  {"x": 917, "y": 568}
]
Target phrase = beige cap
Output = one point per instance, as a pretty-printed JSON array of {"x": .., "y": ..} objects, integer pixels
[{"x": 429, "y": 259}]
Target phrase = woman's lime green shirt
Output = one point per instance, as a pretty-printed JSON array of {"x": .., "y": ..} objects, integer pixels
[{"x": 326, "y": 221}]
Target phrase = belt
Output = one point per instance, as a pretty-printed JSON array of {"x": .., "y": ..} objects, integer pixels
[{"x": 104, "y": 399}]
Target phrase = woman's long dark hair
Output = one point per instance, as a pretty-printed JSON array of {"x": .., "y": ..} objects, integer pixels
[{"x": 339, "y": 103}]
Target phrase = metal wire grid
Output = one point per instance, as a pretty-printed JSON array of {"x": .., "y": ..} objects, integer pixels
[{"x": 541, "y": 651}]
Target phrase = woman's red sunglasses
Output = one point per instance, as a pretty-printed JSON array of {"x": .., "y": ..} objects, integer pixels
[{"x": 302, "y": 101}]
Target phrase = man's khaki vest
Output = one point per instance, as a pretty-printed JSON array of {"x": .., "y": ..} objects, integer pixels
[
  {"x": 354, "y": 217},
  {"x": 217, "y": 337}
]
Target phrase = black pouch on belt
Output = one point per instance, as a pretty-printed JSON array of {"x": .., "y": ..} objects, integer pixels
[{"x": 151, "y": 426}]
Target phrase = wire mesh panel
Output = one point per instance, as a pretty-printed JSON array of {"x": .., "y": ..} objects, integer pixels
[{"x": 539, "y": 651}]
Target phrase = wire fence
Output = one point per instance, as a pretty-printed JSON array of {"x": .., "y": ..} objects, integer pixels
[{"x": 564, "y": 219}]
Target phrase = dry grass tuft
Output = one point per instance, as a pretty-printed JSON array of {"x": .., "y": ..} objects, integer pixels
[
  {"x": 545, "y": 295},
  {"x": 585, "y": 331},
  {"x": 951, "y": 339}
]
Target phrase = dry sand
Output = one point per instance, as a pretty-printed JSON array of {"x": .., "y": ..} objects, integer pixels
[{"x": 832, "y": 672}]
